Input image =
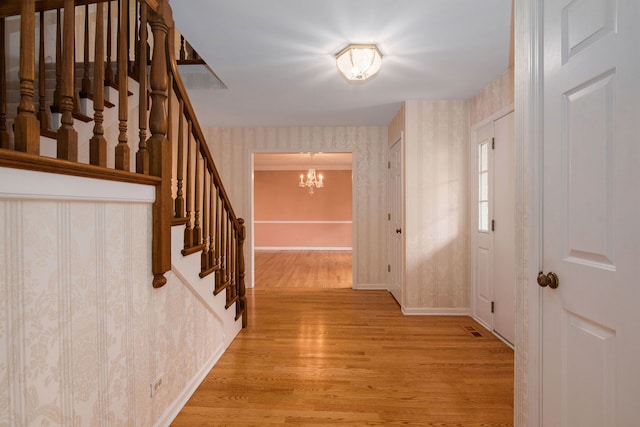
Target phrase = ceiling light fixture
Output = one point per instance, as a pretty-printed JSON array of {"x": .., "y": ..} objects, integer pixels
[
  {"x": 359, "y": 62},
  {"x": 311, "y": 178}
]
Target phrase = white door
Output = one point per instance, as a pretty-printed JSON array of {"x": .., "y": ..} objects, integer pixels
[
  {"x": 484, "y": 237},
  {"x": 591, "y": 209},
  {"x": 395, "y": 221},
  {"x": 504, "y": 214},
  {"x": 494, "y": 259}
]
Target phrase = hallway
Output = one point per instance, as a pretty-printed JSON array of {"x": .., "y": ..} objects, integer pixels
[
  {"x": 303, "y": 269},
  {"x": 327, "y": 357}
]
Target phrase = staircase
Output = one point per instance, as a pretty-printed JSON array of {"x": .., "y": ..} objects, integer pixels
[{"x": 196, "y": 233}]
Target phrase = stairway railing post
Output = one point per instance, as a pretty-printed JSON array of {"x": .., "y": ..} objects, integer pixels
[
  {"x": 27, "y": 127},
  {"x": 98, "y": 144},
  {"x": 4, "y": 135},
  {"x": 158, "y": 145}
]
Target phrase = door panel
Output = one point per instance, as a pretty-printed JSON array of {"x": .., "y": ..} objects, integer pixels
[
  {"x": 591, "y": 96},
  {"x": 396, "y": 203},
  {"x": 504, "y": 276},
  {"x": 482, "y": 226}
]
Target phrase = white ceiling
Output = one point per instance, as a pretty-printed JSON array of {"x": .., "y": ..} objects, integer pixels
[{"x": 277, "y": 57}]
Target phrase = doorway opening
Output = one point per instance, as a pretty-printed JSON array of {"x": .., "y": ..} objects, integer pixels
[{"x": 302, "y": 232}]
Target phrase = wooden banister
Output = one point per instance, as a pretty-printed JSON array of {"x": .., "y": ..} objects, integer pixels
[{"x": 201, "y": 203}]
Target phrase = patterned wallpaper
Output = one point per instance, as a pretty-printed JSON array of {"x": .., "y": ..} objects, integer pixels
[
  {"x": 82, "y": 332},
  {"x": 494, "y": 97},
  {"x": 232, "y": 148},
  {"x": 436, "y": 206}
]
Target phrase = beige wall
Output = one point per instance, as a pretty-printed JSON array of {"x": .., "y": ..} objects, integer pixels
[
  {"x": 436, "y": 206},
  {"x": 82, "y": 332},
  {"x": 232, "y": 147},
  {"x": 295, "y": 218},
  {"x": 496, "y": 96}
]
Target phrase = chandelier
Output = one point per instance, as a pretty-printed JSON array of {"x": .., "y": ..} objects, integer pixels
[
  {"x": 359, "y": 62},
  {"x": 313, "y": 180}
]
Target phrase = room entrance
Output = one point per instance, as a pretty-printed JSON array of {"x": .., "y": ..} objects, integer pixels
[{"x": 302, "y": 220}]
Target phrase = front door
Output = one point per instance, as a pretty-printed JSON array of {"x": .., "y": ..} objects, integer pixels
[{"x": 591, "y": 213}]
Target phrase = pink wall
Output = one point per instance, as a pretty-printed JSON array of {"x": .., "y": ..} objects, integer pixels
[{"x": 328, "y": 211}]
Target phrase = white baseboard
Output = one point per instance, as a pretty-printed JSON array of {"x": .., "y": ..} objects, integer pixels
[
  {"x": 174, "y": 409},
  {"x": 427, "y": 311},
  {"x": 302, "y": 248},
  {"x": 370, "y": 287}
]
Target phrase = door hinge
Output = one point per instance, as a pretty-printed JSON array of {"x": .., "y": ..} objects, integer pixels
[
  {"x": 389, "y": 268},
  {"x": 493, "y": 143},
  {"x": 493, "y": 225},
  {"x": 388, "y": 165},
  {"x": 493, "y": 306},
  {"x": 389, "y": 216}
]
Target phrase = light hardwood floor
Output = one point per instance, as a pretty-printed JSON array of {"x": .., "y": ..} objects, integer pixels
[
  {"x": 326, "y": 357},
  {"x": 303, "y": 269}
]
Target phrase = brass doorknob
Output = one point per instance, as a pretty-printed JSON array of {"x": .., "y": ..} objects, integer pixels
[{"x": 550, "y": 279}]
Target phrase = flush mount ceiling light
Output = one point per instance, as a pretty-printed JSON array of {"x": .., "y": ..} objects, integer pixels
[{"x": 359, "y": 62}]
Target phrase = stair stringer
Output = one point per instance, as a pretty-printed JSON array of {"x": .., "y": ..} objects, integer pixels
[{"x": 187, "y": 268}]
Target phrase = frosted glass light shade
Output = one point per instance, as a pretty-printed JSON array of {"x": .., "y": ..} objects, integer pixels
[{"x": 359, "y": 62}]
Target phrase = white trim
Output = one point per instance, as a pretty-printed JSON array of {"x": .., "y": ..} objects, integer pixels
[
  {"x": 300, "y": 222},
  {"x": 302, "y": 248},
  {"x": 528, "y": 82},
  {"x": 428, "y": 311},
  {"x": 370, "y": 287},
  {"x": 26, "y": 184},
  {"x": 174, "y": 408},
  {"x": 301, "y": 167}
]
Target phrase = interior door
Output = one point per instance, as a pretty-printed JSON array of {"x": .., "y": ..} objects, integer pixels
[
  {"x": 504, "y": 214},
  {"x": 395, "y": 221},
  {"x": 591, "y": 145},
  {"x": 484, "y": 236}
]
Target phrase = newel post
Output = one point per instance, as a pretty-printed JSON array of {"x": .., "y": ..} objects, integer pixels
[
  {"x": 242, "y": 309},
  {"x": 158, "y": 145}
]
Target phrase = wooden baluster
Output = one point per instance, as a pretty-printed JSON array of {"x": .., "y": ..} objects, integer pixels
[
  {"x": 204, "y": 256},
  {"x": 42, "y": 112},
  {"x": 67, "y": 136},
  {"x": 85, "y": 88},
  {"x": 4, "y": 135},
  {"x": 198, "y": 199},
  {"x": 116, "y": 77},
  {"x": 179, "y": 204},
  {"x": 227, "y": 232},
  {"x": 137, "y": 39},
  {"x": 183, "y": 52},
  {"x": 108, "y": 71},
  {"x": 128, "y": 33},
  {"x": 241, "y": 308},
  {"x": 217, "y": 232},
  {"x": 188, "y": 231},
  {"x": 27, "y": 128},
  {"x": 220, "y": 248},
  {"x": 160, "y": 150},
  {"x": 212, "y": 221},
  {"x": 123, "y": 155},
  {"x": 98, "y": 144},
  {"x": 142, "y": 156},
  {"x": 57, "y": 93}
]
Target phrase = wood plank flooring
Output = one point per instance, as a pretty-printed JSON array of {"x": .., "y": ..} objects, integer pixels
[
  {"x": 303, "y": 269},
  {"x": 327, "y": 357}
]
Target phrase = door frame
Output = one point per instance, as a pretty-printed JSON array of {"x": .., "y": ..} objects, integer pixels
[
  {"x": 528, "y": 18},
  {"x": 473, "y": 217},
  {"x": 250, "y": 218}
]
